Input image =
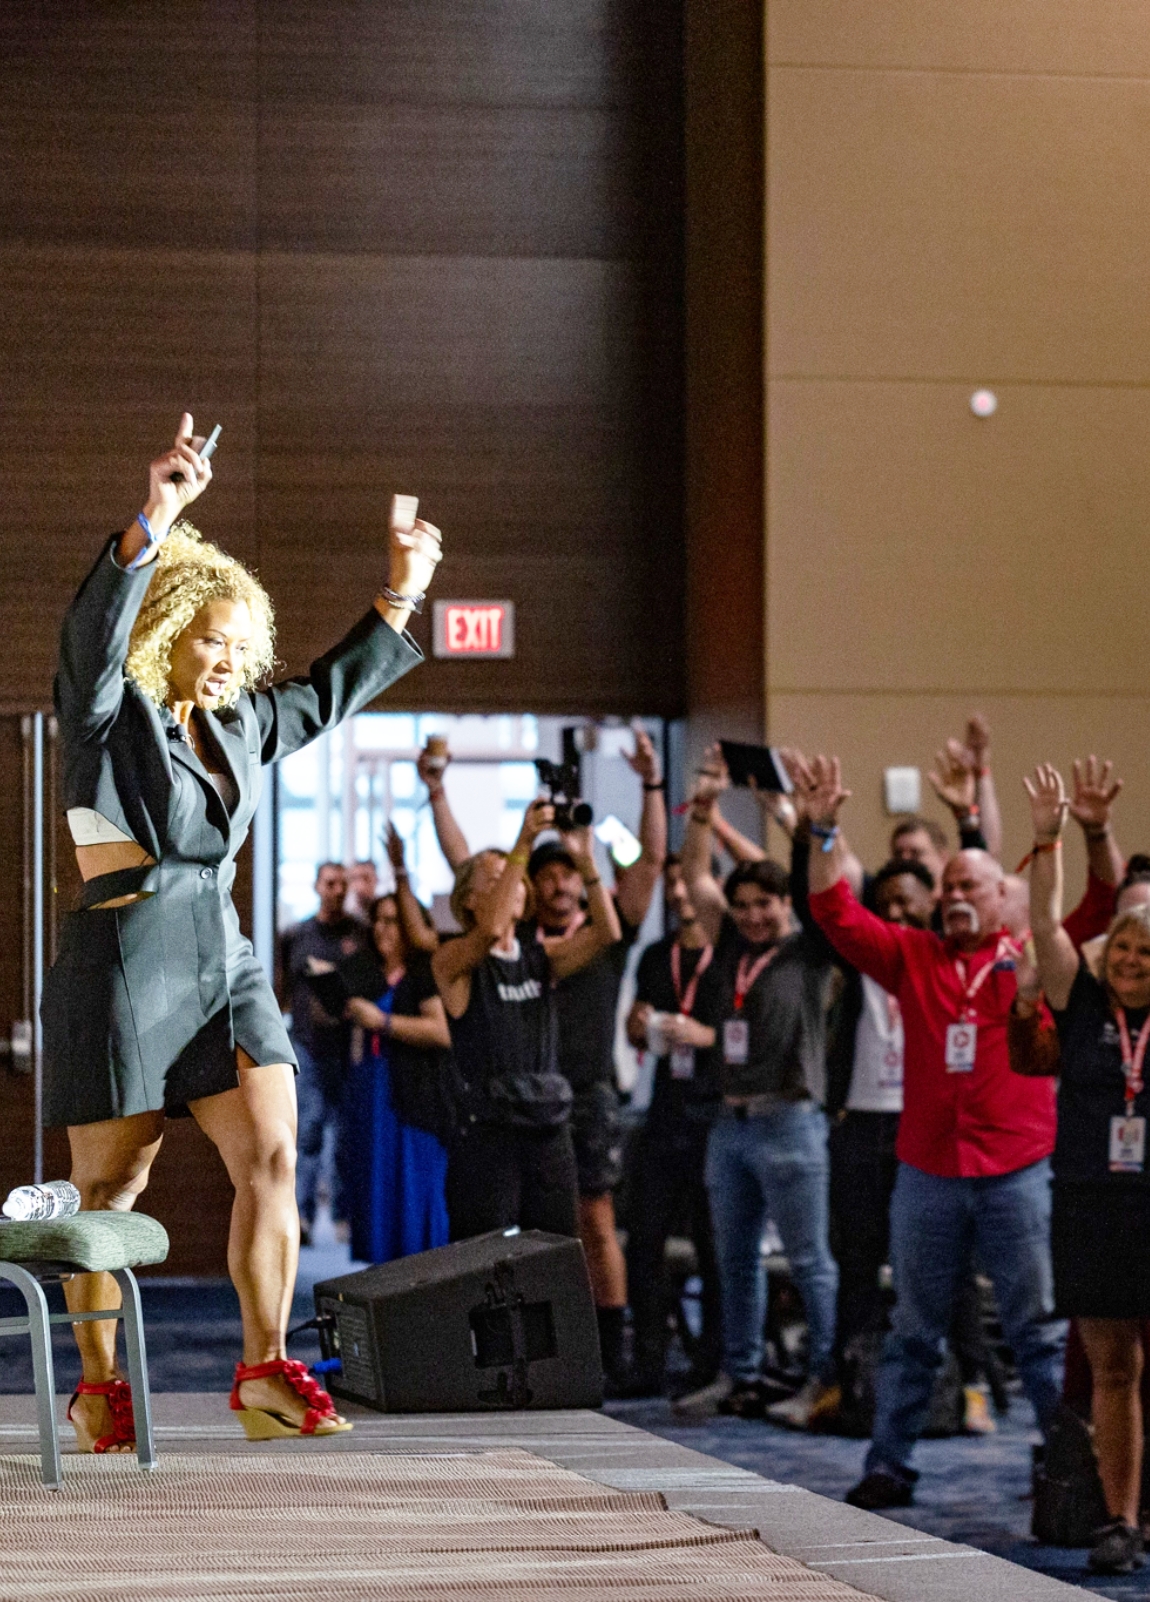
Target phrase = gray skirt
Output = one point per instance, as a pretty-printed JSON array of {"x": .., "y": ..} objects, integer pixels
[{"x": 135, "y": 1021}]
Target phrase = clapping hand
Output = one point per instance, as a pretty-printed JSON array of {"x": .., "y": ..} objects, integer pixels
[
  {"x": 1094, "y": 794},
  {"x": 1048, "y": 803}
]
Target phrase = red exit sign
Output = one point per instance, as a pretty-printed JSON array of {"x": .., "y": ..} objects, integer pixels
[{"x": 473, "y": 628}]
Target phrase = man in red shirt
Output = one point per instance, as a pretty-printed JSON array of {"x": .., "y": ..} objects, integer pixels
[{"x": 974, "y": 1141}]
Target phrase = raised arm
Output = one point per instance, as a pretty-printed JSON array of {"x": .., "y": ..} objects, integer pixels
[
  {"x": 706, "y": 893},
  {"x": 98, "y": 625},
  {"x": 637, "y": 885},
  {"x": 1095, "y": 792},
  {"x": 494, "y": 911},
  {"x": 569, "y": 953},
  {"x": 1057, "y": 958},
  {"x": 372, "y": 656},
  {"x": 956, "y": 785},
  {"x": 452, "y": 841},
  {"x": 416, "y": 929},
  {"x": 978, "y": 745}
]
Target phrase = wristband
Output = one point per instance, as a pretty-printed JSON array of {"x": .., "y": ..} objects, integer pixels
[
  {"x": 1036, "y": 850},
  {"x": 153, "y": 539},
  {"x": 415, "y": 602},
  {"x": 589, "y": 884},
  {"x": 827, "y": 833},
  {"x": 705, "y": 818},
  {"x": 662, "y": 785},
  {"x": 1097, "y": 834},
  {"x": 519, "y": 859}
]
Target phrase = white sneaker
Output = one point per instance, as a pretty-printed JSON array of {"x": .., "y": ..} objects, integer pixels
[
  {"x": 704, "y": 1403},
  {"x": 805, "y": 1407}
]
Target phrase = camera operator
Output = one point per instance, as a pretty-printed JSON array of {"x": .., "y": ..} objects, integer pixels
[
  {"x": 588, "y": 1004},
  {"x": 511, "y": 1161}
]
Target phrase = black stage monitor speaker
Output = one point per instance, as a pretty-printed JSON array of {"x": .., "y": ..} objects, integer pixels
[{"x": 502, "y": 1321}]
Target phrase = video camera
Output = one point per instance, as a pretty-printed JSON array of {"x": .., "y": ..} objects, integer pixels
[{"x": 561, "y": 782}]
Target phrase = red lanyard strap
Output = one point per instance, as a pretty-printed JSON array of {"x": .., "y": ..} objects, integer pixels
[
  {"x": 969, "y": 991},
  {"x": 747, "y": 972},
  {"x": 1132, "y": 1059},
  {"x": 686, "y": 998}
]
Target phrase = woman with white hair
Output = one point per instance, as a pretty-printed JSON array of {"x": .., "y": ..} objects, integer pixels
[
  {"x": 156, "y": 1005},
  {"x": 1100, "y": 1230}
]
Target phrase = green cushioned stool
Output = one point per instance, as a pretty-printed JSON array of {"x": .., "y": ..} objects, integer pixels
[{"x": 114, "y": 1243}]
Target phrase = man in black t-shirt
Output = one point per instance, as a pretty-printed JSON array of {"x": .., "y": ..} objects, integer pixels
[
  {"x": 675, "y": 1012},
  {"x": 588, "y": 1005},
  {"x": 321, "y": 1041}
]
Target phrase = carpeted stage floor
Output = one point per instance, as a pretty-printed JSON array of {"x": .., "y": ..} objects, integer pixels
[{"x": 971, "y": 1491}]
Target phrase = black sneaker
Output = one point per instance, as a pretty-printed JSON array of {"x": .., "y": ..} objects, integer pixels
[
  {"x": 880, "y": 1489},
  {"x": 1117, "y": 1549}
]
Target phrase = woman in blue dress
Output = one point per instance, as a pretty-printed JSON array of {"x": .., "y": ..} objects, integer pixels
[{"x": 396, "y": 1106}]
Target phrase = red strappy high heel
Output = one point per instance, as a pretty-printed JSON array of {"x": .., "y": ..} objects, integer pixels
[
  {"x": 265, "y": 1424},
  {"x": 119, "y": 1395}
]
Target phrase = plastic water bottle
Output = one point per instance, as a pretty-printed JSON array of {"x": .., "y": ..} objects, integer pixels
[{"x": 59, "y": 1198}]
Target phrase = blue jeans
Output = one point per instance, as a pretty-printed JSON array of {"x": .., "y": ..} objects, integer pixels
[
  {"x": 774, "y": 1166},
  {"x": 319, "y": 1089},
  {"x": 934, "y": 1224}
]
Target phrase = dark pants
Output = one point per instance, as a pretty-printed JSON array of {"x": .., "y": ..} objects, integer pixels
[
  {"x": 669, "y": 1197},
  {"x": 863, "y": 1171},
  {"x": 500, "y": 1174},
  {"x": 319, "y": 1095}
]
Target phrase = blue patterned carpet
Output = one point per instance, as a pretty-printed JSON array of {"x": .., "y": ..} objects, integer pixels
[{"x": 970, "y": 1490}]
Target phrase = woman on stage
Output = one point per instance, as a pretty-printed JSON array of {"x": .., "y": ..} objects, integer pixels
[{"x": 156, "y": 1005}]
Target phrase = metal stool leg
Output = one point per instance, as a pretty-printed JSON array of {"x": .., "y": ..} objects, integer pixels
[
  {"x": 132, "y": 1314},
  {"x": 40, "y": 1330}
]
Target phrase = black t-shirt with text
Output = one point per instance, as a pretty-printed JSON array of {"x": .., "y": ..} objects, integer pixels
[
  {"x": 506, "y": 1043},
  {"x": 1092, "y": 1086}
]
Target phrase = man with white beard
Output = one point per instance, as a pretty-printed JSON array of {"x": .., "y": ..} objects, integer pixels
[{"x": 974, "y": 1140}]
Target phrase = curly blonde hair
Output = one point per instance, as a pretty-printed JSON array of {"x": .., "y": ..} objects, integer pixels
[{"x": 190, "y": 573}]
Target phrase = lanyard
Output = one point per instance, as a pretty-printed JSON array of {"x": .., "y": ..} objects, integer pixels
[
  {"x": 969, "y": 991},
  {"x": 747, "y": 972},
  {"x": 686, "y": 998},
  {"x": 1132, "y": 1059}
]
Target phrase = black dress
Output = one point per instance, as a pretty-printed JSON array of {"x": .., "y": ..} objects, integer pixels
[
  {"x": 147, "y": 1002},
  {"x": 1100, "y": 1227}
]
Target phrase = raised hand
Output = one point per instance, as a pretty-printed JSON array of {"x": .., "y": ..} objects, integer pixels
[
  {"x": 431, "y": 766},
  {"x": 540, "y": 815},
  {"x": 823, "y": 792},
  {"x": 176, "y": 478},
  {"x": 978, "y": 740},
  {"x": 414, "y": 553},
  {"x": 1048, "y": 801},
  {"x": 395, "y": 849},
  {"x": 645, "y": 759},
  {"x": 1095, "y": 792},
  {"x": 953, "y": 777},
  {"x": 712, "y": 778},
  {"x": 775, "y": 805}
]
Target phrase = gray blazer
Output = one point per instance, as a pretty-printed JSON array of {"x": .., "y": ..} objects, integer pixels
[{"x": 146, "y": 1003}]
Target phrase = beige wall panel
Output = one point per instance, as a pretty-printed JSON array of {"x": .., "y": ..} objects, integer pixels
[
  {"x": 958, "y": 225},
  {"x": 1062, "y": 36},
  {"x": 871, "y": 732},
  {"x": 912, "y": 546}
]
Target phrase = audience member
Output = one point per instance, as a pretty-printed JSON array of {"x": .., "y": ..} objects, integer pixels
[
  {"x": 320, "y": 1040},
  {"x": 674, "y": 1016},
  {"x": 1101, "y": 1214},
  {"x": 395, "y": 1164},
  {"x": 512, "y": 1161},
  {"x": 588, "y": 1003},
  {"x": 418, "y": 928},
  {"x": 362, "y": 889},
  {"x": 974, "y": 1139},
  {"x": 767, "y": 1150}
]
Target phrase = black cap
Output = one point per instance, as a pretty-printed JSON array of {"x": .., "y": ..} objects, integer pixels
[{"x": 549, "y": 851}]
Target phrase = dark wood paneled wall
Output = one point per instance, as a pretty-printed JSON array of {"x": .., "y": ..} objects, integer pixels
[{"x": 429, "y": 245}]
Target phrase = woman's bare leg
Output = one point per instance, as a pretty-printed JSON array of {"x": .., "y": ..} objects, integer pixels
[
  {"x": 606, "y": 1265},
  {"x": 1114, "y": 1350},
  {"x": 254, "y": 1127},
  {"x": 111, "y": 1162}
]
